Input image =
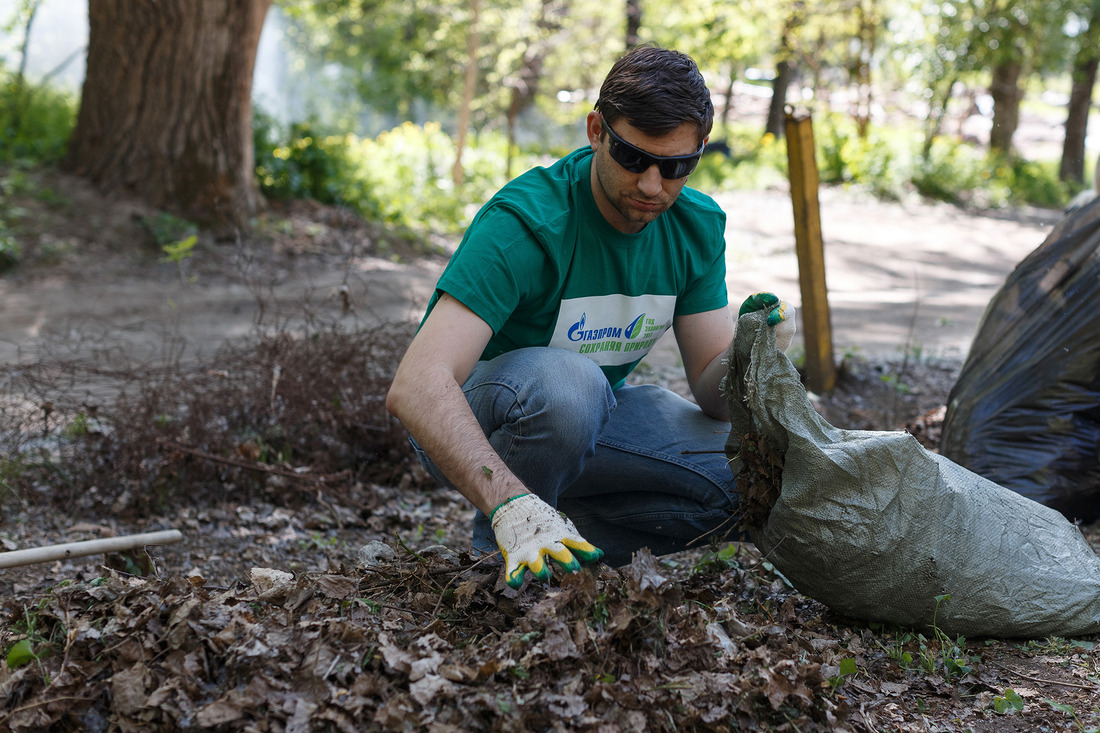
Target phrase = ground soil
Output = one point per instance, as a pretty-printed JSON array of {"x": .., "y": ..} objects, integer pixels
[{"x": 385, "y": 621}]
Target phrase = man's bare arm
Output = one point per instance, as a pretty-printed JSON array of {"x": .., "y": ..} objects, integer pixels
[
  {"x": 426, "y": 396},
  {"x": 704, "y": 339}
]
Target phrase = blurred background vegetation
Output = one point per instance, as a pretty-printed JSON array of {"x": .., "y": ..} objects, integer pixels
[{"x": 413, "y": 113}]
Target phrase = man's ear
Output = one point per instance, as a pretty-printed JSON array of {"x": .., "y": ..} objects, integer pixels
[{"x": 594, "y": 128}]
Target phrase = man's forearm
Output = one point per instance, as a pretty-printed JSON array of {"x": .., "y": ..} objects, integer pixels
[
  {"x": 435, "y": 412},
  {"x": 707, "y": 392}
]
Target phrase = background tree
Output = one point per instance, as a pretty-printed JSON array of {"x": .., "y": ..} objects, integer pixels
[
  {"x": 1019, "y": 37},
  {"x": 786, "y": 66},
  {"x": 166, "y": 109},
  {"x": 1086, "y": 26},
  {"x": 939, "y": 53},
  {"x": 724, "y": 39}
]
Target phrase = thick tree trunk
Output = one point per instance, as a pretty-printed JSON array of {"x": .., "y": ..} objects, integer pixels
[
  {"x": 166, "y": 110},
  {"x": 1006, "y": 94},
  {"x": 1072, "y": 167}
]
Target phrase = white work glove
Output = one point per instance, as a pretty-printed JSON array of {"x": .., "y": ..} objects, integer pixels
[
  {"x": 780, "y": 316},
  {"x": 527, "y": 528}
]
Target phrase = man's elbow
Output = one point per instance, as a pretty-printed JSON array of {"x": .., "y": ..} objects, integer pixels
[{"x": 395, "y": 396}]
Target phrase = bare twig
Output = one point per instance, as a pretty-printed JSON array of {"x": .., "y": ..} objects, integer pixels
[{"x": 1094, "y": 688}]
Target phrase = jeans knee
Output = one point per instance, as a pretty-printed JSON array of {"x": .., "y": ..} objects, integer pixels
[{"x": 572, "y": 391}]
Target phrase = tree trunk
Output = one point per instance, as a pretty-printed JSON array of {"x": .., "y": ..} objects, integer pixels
[
  {"x": 633, "y": 22},
  {"x": 1085, "y": 65},
  {"x": 1072, "y": 167},
  {"x": 784, "y": 75},
  {"x": 1006, "y": 94},
  {"x": 865, "y": 53},
  {"x": 166, "y": 109},
  {"x": 473, "y": 43}
]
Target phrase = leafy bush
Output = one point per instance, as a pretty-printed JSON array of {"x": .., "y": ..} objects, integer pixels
[
  {"x": 402, "y": 177},
  {"x": 874, "y": 162},
  {"x": 1037, "y": 184},
  {"x": 304, "y": 165},
  {"x": 949, "y": 170},
  {"x": 753, "y": 162},
  {"x": 35, "y": 121}
]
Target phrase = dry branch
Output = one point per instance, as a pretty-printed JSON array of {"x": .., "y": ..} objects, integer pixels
[{"x": 17, "y": 558}]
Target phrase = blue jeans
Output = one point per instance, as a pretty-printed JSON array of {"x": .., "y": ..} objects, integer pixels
[{"x": 612, "y": 460}]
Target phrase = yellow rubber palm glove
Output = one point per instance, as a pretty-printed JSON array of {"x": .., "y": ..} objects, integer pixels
[
  {"x": 780, "y": 315},
  {"x": 528, "y": 529}
]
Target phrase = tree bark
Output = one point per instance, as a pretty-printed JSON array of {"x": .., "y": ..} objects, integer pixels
[
  {"x": 784, "y": 75},
  {"x": 1084, "y": 72},
  {"x": 1006, "y": 94},
  {"x": 633, "y": 22},
  {"x": 1072, "y": 167},
  {"x": 473, "y": 43},
  {"x": 166, "y": 109}
]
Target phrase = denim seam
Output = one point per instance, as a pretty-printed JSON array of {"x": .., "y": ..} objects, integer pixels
[
  {"x": 689, "y": 465},
  {"x": 516, "y": 404}
]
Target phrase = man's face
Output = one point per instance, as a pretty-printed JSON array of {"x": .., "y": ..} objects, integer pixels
[{"x": 628, "y": 200}]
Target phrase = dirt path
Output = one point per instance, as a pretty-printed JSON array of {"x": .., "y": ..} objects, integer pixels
[{"x": 912, "y": 276}]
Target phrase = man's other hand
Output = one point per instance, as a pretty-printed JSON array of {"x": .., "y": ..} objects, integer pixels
[
  {"x": 780, "y": 315},
  {"x": 528, "y": 529}
]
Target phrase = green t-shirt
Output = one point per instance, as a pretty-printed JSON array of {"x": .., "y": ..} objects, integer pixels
[{"x": 543, "y": 267}]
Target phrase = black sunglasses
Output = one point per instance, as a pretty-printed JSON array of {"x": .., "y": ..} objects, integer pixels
[{"x": 637, "y": 160}]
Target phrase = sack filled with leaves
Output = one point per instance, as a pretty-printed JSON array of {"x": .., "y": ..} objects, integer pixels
[
  {"x": 877, "y": 527},
  {"x": 1025, "y": 411}
]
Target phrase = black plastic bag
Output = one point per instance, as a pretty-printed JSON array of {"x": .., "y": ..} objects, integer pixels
[{"x": 1025, "y": 411}]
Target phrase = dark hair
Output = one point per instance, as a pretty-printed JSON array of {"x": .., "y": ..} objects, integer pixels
[{"x": 656, "y": 90}]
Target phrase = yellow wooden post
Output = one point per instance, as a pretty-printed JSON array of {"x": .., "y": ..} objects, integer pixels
[{"x": 820, "y": 373}]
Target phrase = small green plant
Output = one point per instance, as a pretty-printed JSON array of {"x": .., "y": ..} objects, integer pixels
[
  {"x": 1077, "y": 722},
  {"x": 168, "y": 229},
  {"x": 895, "y": 383},
  {"x": 847, "y": 668},
  {"x": 179, "y": 252},
  {"x": 718, "y": 559},
  {"x": 1008, "y": 703},
  {"x": 954, "y": 660}
]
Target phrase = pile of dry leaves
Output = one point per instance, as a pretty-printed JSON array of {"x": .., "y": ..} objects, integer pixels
[{"x": 431, "y": 639}]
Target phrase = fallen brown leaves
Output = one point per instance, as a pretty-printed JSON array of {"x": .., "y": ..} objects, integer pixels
[
  {"x": 434, "y": 641},
  {"x": 425, "y": 641}
]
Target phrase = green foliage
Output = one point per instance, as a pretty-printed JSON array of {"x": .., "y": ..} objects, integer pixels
[
  {"x": 10, "y": 251},
  {"x": 754, "y": 162},
  {"x": 35, "y": 121},
  {"x": 168, "y": 229},
  {"x": 949, "y": 170},
  {"x": 846, "y": 668},
  {"x": 300, "y": 163},
  {"x": 402, "y": 177},
  {"x": 875, "y": 162}
]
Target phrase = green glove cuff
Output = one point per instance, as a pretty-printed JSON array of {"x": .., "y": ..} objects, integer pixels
[
  {"x": 498, "y": 506},
  {"x": 757, "y": 302}
]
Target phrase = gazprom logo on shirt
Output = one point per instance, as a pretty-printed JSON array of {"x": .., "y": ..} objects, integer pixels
[
  {"x": 593, "y": 326},
  {"x": 577, "y": 331}
]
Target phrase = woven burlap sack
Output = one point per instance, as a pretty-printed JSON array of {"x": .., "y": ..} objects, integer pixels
[{"x": 877, "y": 527}]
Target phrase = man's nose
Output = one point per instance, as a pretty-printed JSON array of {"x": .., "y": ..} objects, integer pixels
[{"x": 650, "y": 182}]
